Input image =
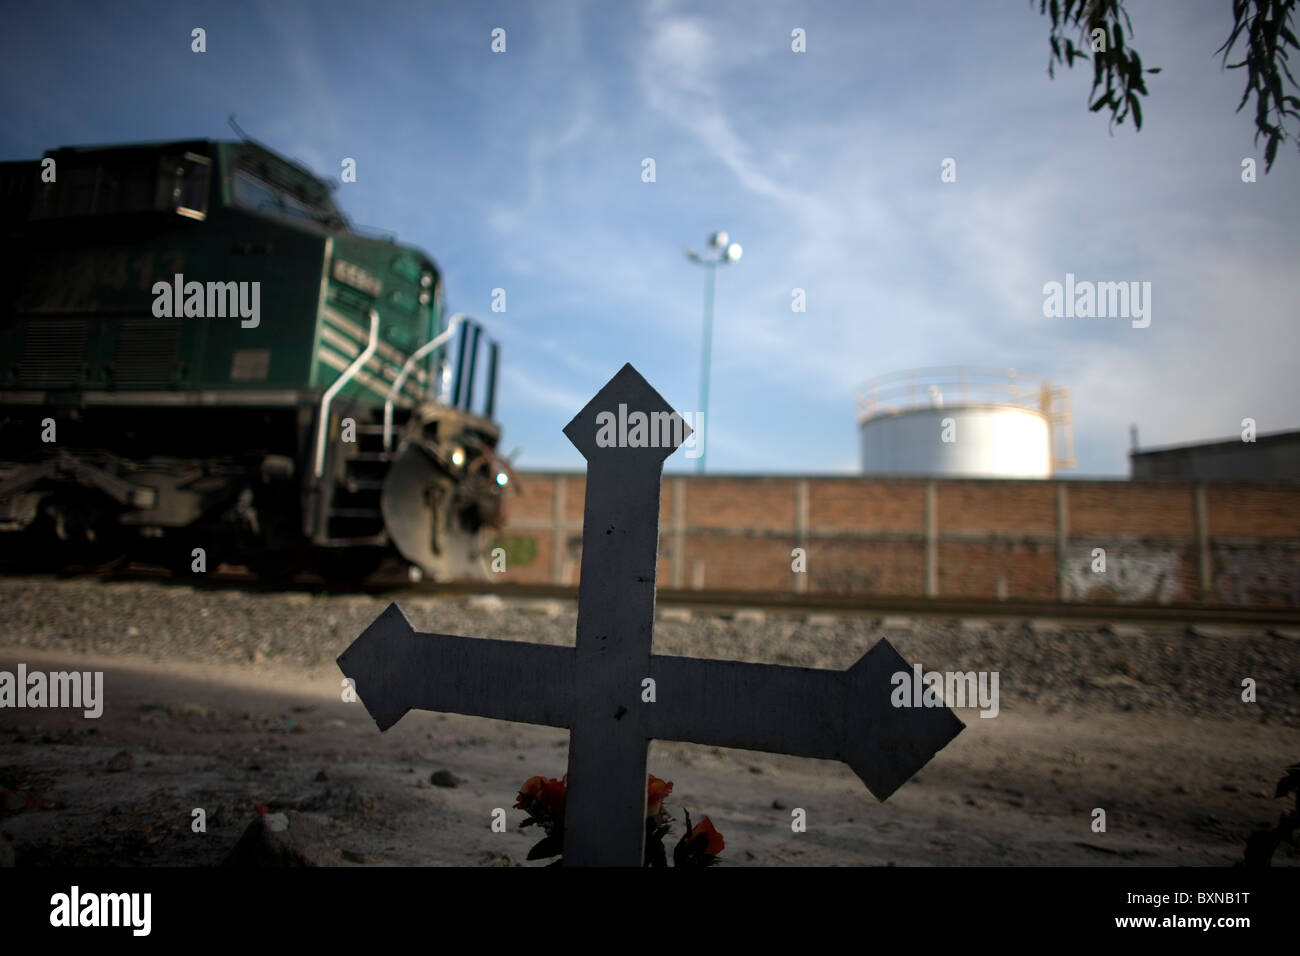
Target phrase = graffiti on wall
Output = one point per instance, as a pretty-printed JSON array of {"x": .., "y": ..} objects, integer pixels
[
  {"x": 1134, "y": 572},
  {"x": 847, "y": 580},
  {"x": 520, "y": 549},
  {"x": 1254, "y": 575}
]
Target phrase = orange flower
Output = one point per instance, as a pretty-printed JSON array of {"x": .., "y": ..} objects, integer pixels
[
  {"x": 705, "y": 838},
  {"x": 656, "y": 792}
]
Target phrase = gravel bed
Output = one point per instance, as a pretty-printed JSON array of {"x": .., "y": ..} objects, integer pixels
[{"x": 1157, "y": 667}]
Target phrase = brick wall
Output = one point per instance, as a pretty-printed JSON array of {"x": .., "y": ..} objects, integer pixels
[{"x": 1127, "y": 541}]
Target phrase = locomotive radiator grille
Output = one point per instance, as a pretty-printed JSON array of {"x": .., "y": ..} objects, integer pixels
[
  {"x": 147, "y": 353},
  {"x": 52, "y": 353}
]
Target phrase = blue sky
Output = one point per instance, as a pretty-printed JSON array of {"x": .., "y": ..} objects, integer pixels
[{"x": 522, "y": 171}]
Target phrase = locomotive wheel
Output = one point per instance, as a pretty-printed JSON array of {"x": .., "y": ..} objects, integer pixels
[{"x": 72, "y": 532}]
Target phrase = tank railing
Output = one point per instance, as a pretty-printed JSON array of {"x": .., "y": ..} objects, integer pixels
[
  {"x": 439, "y": 339},
  {"x": 328, "y": 398},
  {"x": 935, "y": 387}
]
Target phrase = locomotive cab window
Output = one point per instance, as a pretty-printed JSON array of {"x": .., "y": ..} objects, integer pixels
[
  {"x": 131, "y": 182},
  {"x": 183, "y": 184}
]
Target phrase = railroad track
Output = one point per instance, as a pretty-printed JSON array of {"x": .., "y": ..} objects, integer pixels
[{"x": 728, "y": 602}]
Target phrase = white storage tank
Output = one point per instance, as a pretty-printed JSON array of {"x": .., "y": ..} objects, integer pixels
[{"x": 964, "y": 421}]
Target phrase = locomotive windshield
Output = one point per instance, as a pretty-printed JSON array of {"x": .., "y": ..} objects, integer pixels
[{"x": 252, "y": 192}]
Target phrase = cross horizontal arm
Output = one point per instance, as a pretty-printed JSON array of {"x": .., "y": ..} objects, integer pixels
[
  {"x": 396, "y": 669},
  {"x": 789, "y": 710},
  {"x": 836, "y": 715}
]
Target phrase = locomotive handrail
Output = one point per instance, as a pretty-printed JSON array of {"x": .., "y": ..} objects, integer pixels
[
  {"x": 328, "y": 398},
  {"x": 418, "y": 354}
]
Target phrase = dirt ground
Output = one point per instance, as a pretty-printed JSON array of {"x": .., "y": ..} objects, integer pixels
[{"x": 1181, "y": 784}]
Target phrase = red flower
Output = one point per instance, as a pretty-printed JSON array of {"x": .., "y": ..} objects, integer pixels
[
  {"x": 543, "y": 796},
  {"x": 706, "y": 839},
  {"x": 528, "y": 792},
  {"x": 656, "y": 792},
  {"x": 554, "y": 794},
  {"x": 700, "y": 845}
]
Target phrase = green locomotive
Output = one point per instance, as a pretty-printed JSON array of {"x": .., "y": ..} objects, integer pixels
[{"x": 198, "y": 351}]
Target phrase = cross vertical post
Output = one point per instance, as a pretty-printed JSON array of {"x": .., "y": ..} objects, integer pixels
[{"x": 616, "y": 610}]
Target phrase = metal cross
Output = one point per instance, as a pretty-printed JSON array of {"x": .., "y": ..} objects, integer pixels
[{"x": 595, "y": 689}]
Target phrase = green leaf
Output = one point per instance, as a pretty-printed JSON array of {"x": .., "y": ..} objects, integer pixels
[{"x": 552, "y": 845}]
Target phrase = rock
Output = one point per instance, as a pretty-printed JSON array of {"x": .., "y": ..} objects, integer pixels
[
  {"x": 488, "y": 603},
  {"x": 192, "y": 710},
  {"x": 1214, "y": 630},
  {"x": 678, "y": 615},
  {"x": 821, "y": 620},
  {"x": 778, "y": 805},
  {"x": 444, "y": 778},
  {"x": 284, "y": 839},
  {"x": 1114, "y": 680},
  {"x": 120, "y": 761},
  {"x": 1123, "y": 630},
  {"x": 749, "y": 615},
  {"x": 975, "y": 624},
  {"x": 547, "y": 609},
  {"x": 321, "y": 776},
  {"x": 754, "y": 769},
  {"x": 353, "y": 856},
  {"x": 896, "y": 622},
  {"x": 1286, "y": 633},
  {"x": 1044, "y": 627}
]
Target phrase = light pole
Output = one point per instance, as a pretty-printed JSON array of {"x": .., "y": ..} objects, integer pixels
[{"x": 719, "y": 252}]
